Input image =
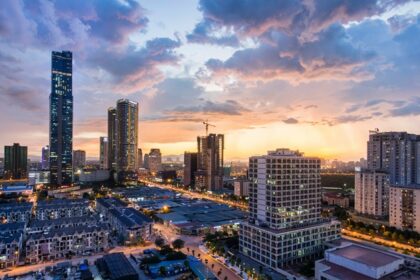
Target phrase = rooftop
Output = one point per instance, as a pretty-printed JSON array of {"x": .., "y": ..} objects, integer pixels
[
  {"x": 118, "y": 266},
  {"x": 365, "y": 255}
]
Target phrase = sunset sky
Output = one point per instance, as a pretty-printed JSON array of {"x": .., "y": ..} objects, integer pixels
[{"x": 309, "y": 75}]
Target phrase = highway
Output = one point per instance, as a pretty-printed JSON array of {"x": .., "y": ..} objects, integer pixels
[
  {"x": 385, "y": 242},
  {"x": 198, "y": 195}
]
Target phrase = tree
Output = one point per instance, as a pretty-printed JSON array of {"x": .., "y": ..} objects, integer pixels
[
  {"x": 160, "y": 242},
  {"x": 178, "y": 244},
  {"x": 162, "y": 270}
]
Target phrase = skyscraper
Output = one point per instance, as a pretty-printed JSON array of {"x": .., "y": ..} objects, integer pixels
[
  {"x": 210, "y": 159},
  {"x": 103, "y": 152},
  {"x": 112, "y": 138},
  {"x": 79, "y": 159},
  {"x": 285, "y": 224},
  {"x": 404, "y": 207},
  {"x": 154, "y": 161},
  {"x": 15, "y": 162},
  {"x": 190, "y": 168},
  {"x": 61, "y": 118},
  {"x": 127, "y": 135},
  {"x": 139, "y": 158},
  {"x": 45, "y": 158}
]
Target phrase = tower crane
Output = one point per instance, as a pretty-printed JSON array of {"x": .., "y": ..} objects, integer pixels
[{"x": 207, "y": 124}]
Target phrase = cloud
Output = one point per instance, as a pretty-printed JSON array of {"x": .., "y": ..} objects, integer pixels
[
  {"x": 202, "y": 34},
  {"x": 291, "y": 121},
  {"x": 410, "y": 109},
  {"x": 228, "y": 107},
  {"x": 133, "y": 67},
  {"x": 332, "y": 55},
  {"x": 63, "y": 23}
]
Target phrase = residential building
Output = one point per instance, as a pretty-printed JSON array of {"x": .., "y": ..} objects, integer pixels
[
  {"x": 371, "y": 192},
  {"x": 353, "y": 261},
  {"x": 15, "y": 162},
  {"x": 103, "y": 152},
  {"x": 61, "y": 208},
  {"x": 79, "y": 159},
  {"x": 241, "y": 187},
  {"x": 397, "y": 153},
  {"x": 15, "y": 212},
  {"x": 45, "y": 158},
  {"x": 210, "y": 159},
  {"x": 112, "y": 138},
  {"x": 67, "y": 242},
  {"x": 336, "y": 199},
  {"x": 190, "y": 167},
  {"x": 61, "y": 119},
  {"x": 130, "y": 224},
  {"x": 139, "y": 158},
  {"x": 404, "y": 207},
  {"x": 154, "y": 161},
  {"x": 127, "y": 135},
  {"x": 285, "y": 224},
  {"x": 10, "y": 249},
  {"x": 40, "y": 226}
]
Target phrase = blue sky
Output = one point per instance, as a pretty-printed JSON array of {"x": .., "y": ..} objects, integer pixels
[{"x": 312, "y": 75}]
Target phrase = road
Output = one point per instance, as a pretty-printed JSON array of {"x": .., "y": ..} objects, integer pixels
[
  {"x": 385, "y": 242},
  {"x": 192, "y": 243},
  {"x": 41, "y": 266},
  {"x": 198, "y": 195}
]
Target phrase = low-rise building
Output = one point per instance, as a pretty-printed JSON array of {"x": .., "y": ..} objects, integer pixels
[
  {"x": 10, "y": 249},
  {"x": 130, "y": 224},
  {"x": 336, "y": 199},
  {"x": 15, "y": 212},
  {"x": 61, "y": 208},
  {"x": 67, "y": 242},
  {"x": 351, "y": 261},
  {"x": 116, "y": 266},
  {"x": 37, "y": 226},
  {"x": 404, "y": 207}
]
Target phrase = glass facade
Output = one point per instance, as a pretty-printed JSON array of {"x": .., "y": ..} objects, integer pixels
[{"x": 61, "y": 118}]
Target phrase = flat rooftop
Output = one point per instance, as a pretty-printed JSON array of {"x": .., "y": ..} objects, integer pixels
[{"x": 365, "y": 255}]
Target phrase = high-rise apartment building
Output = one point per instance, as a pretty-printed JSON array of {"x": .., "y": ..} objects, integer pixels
[
  {"x": 15, "y": 162},
  {"x": 190, "y": 168},
  {"x": 112, "y": 138},
  {"x": 210, "y": 159},
  {"x": 397, "y": 153},
  {"x": 103, "y": 152},
  {"x": 154, "y": 161},
  {"x": 79, "y": 159},
  {"x": 139, "y": 158},
  {"x": 393, "y": 159},
  {"x": 61, "y": 118},
  {"x": 371, "y": 192},
  {"x": 285, "y": 224},
  {"x": 45, "y": 158},
  {"x": 127, "y": 135},
  {"x": 404, "y": 207}
]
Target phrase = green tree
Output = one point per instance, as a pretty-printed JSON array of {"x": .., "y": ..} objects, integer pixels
[
  {"x": 162, "y": 270},
  {"x": 160, "y": 242},
  {"x": 178, "y": 244}
]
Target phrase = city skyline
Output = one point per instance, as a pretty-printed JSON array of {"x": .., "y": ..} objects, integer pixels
[{"x": 188, "y": 62}]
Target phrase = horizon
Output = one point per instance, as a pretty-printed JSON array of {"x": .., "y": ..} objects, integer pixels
[{"x": 266, "y": 78}]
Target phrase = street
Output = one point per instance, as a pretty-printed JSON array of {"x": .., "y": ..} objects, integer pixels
[
  {"x": 197, "y": 195},
  {"x": 41, "y": 266},
  {"x": 391, "y": 244}
]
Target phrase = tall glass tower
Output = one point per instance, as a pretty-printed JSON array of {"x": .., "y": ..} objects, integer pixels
[{"x": 61, "y": 118}]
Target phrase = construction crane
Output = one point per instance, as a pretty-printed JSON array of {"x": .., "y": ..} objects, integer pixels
[{"x": 207, "y": 124}]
